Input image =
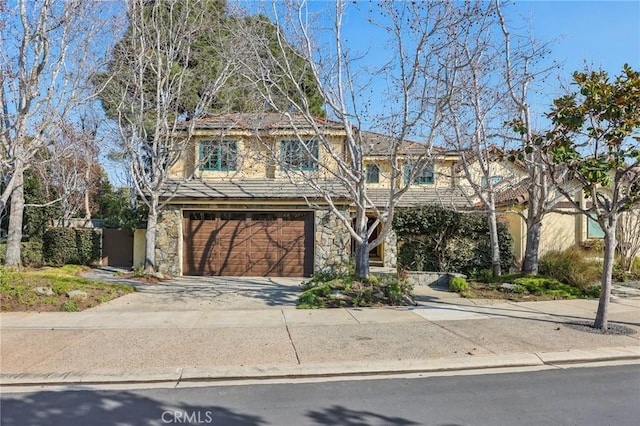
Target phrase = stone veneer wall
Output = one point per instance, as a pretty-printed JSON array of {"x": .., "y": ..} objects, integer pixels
[
  {"x": 332, "y": 242},
  {"x": 390, "y": 258},
  {"x": 168, "y": 240}
]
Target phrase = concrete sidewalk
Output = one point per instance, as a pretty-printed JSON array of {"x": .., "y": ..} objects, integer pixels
[{"x": 120, "y": 346}]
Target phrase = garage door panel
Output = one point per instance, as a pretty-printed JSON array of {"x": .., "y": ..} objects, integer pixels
[{"x": 261, "y": 244}]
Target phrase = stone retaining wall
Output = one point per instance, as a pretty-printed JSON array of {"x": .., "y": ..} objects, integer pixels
[{"x": 432, "y": 279}]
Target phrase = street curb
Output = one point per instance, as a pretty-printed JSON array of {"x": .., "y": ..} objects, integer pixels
[{"x": 323, "y": 370}]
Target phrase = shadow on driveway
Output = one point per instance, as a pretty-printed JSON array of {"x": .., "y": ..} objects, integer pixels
[{"x": 197, "y": 293}]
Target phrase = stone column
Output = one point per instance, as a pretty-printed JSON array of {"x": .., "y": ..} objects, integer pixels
[
  {"x": 332, "y": 243},
  {"x": 168, "y": 240},
  {"x": 390, "y": 256}
]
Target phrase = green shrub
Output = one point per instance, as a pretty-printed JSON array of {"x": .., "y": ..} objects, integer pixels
[
  {"x": 593, "y": 292},
  {"x": 484, "y": 275},
  {"x": 30, "y": 253},
  {"x": 520, "y": 289},
  {"x": 549, "y": 286},
  {"x": 59, "y": 246},
  {"x": 70, "y": 306},
  {"x": 572, "y": 267},
  {"x": 66, "y": 245},
  {"x": 433, "y": 238},
  {"x": 8, "y": 276},
  {"x": 346, "y": 290},
  {"x": 313, "y": 297},
  {"x": 458, "y": 284},
  {"x": 88, "y": 246}
]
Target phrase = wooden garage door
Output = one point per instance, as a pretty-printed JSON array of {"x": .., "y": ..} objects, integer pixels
[{"x": 248, "y": 243}]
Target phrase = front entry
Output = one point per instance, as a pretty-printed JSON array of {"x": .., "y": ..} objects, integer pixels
[{"x": 375, "y": 254}]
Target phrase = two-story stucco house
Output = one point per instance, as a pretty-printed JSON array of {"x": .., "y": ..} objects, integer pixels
[{"x": 234, "y": 210}]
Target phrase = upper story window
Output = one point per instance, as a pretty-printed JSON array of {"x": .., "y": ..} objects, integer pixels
[
  {"x": 494, "y": 180},
  {"x": 218, "y": 155},
  {"x": 373, "y": 173},
  {"x": 299, "y": 155},
  {"x": 425, "y": 177}
]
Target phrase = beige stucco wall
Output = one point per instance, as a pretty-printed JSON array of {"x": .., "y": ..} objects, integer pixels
[
  {"x": 255, "y": 156},
  {"x": 559, "y": 232},
  {"x": 138, "y": 246},
  {"x": 442, "y": 169},
  {"x": 518, "y": 231},
  {"x": 506, "y": 170}
]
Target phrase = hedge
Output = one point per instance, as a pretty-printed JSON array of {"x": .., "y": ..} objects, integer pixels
[
  {"x": 66, "y": 245},
  {"x": 433, "y": 238},
  {"x": 30, "y": 253}
]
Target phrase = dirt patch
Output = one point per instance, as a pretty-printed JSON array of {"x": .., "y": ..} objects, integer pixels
[
  {"x": 613, "y": 329},
  {"x": 141, "y": 278}
]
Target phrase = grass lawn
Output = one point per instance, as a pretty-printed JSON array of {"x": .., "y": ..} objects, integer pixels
[{"x": 18, "y": 290}]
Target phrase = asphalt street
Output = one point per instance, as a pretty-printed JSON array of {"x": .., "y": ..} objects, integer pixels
[{"x": 572, "y": 396}]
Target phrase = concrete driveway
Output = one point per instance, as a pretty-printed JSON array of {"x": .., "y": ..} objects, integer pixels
[{"x": 203, "y": 293}]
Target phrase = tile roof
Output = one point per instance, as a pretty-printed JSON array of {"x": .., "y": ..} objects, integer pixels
[
  {"x": 265, "y": 189},
  {"x": 510, "y": 194},
  {"x": 379, "y": 144},
  {"x": 246, "y": 189},
  {"x": 263, "y": 121},
  {"x": 419, "y": 196}
]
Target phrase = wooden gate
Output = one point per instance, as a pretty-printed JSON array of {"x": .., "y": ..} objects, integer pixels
[{"x": 117, "y": 247}]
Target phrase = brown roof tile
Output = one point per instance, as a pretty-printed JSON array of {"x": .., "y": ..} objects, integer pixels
[
  {"x": 262, "y": 121},
  {"x": 265, "y": 189},
  {"x": 508, "y": 193}
]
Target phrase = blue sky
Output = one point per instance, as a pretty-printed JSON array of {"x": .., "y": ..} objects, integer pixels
[
  {"x": 600, "y": 34},
  {"x": 593, "y": 34}
]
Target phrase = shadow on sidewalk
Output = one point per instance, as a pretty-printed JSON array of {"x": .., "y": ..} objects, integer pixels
[{"x": 512, "y": 312}]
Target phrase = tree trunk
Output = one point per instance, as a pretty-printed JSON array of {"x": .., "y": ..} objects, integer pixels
[
  {"x": 534, "y": 224},
  {"x": 150, "y": 241},
  {"x": 602, "y": 320},
  {"x": 16, "y": 216},
  {"x": 87, "y": 201},
  {"x": 496, "y": 269},
  {"x": 362, "y": 259},
  {"x": 532, "y": 250},
  {"x": 362, "y": 248}
]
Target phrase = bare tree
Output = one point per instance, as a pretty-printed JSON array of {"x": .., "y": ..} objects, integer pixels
[
  {"x": 629, "y": 237},
  {"x": 475, "y": 113},
  {"x": 521, "y": 71},
  {"x": 148, "y": 83},
  {"x": 495, "y": 72},
  {"x": 48, "y": 50},
  {"x": 416, "y": 74},
  {"x": 69, "y": 170}
]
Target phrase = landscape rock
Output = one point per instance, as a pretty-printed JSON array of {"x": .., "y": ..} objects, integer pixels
[
  {"x": 44, "y": 291},
  {"x": 77, "y": 294}
]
